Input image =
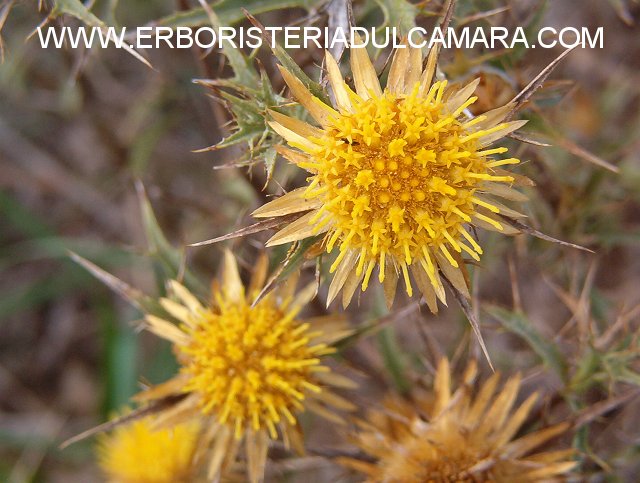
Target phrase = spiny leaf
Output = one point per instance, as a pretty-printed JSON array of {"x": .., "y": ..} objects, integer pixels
[
  {"x": 288, "y": 63},
  {"x": 471, "y": 317},
  {"x": 262, "y": 225},
  {"x": 538, "y": 234},
  {"x": 249, "y": 106},
  {"x": 170, "y": 259},
  {"x": 588, "y": 156},
  {"x": 134, "y": 415},
  {"x": 528, "y": 140},
  {"x": 76, "y": 9},
  {"x": 134, "y": 296},
  {"x": 585, "y": 368},
  {"x": 246, "y": 112},
  {"x": 293, "y": 260},
  {"x": 367, "y": 329},
  {"x": 524, "y": 95},
  {"x": 155, "y": 237},
  {"x": 242, "y": 134},
  {"x": 242, "y": 69}
]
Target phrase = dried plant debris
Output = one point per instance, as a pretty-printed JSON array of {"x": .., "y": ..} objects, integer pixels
[{"x": 272, "y": 264}]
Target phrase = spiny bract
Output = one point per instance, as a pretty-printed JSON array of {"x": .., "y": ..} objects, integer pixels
[{"x": 460, "y": 435}]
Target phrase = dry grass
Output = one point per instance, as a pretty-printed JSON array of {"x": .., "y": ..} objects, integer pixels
[{"x": 77, "y": 129}]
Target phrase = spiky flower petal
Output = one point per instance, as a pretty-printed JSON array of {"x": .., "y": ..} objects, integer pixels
[
  {"x": 398, "y": 176},
  {"x": 248, "y": 369},
  {"x": 460, "y": 435}
]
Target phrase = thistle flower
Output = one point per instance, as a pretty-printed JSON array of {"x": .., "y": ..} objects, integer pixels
[
  {"x": 398, "y": 176},
  {"x": 136, "y": 453},
  {"x": 459, "y": 437},
  {"x": 247, "y": 370}
]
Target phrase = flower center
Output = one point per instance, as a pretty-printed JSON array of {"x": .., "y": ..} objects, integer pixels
[
  {"x": 398, "y": 176},
  {"x": 252, "y": 365}
]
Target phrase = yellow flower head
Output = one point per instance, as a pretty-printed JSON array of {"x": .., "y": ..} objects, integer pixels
[
  {"x": 459, "y": 436},
  {"x": 397, "y": 175},
  {"x": 249, "y": 369},
  {"x": 138, "y": 453}
]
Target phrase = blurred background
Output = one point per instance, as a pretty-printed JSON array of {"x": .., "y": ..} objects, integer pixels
[{"x": 79, "y": 129}]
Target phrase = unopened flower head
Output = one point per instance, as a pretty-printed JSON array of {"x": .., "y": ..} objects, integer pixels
[
  {"x": 459, "y": 436},
  {"x": 398, "y": 176},
  {"x": 247, "y": 369},
  {"x": 139, "y": 453}
]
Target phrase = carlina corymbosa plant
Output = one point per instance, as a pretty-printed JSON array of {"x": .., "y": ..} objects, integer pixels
[
  {"x": 247, "y": 367},
  {"x": 459, "y": 435},
  {"x": 399, "y": 176}
]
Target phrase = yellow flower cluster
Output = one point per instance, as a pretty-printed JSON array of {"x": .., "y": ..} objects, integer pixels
[
  {"x": 139, "y": 454},
  {"x": 397, "y": 176},
  {"x": 398, "y": 179},
  {"x": 252, "y": 365}
]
